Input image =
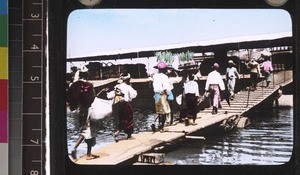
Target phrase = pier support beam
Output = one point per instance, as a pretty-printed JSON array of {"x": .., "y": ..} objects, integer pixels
[
  {"x": 235, "y": 121},
  {"x": 153, "y": 158},
  {"x": 243, "y": 122}
]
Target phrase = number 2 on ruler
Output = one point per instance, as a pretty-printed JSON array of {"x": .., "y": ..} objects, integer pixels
[{"x": 36, "y": 142}]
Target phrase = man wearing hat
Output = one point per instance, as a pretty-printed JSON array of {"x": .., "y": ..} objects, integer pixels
[
  {"x": 231, "y": 76},
  {"x": 254, "y": 72},
  {"x": 83, "y": 70},
  {"x": 80, "y": 96},
  {"x": 122, "y": 112},
  {"x": 161, "y": 88},
  {"x": 213, "y": 83}
]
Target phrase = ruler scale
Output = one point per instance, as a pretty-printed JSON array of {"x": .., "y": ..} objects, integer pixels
[{"x": 33, "y": 116}]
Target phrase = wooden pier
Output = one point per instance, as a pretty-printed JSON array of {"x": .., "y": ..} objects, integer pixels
[{"x": 143, "y": 142}]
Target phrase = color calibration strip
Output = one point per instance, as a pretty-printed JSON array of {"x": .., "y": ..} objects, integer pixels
[{"x": 4, "y": 87}]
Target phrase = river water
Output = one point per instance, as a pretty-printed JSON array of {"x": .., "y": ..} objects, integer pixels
[{"x": 268, "y": 140}]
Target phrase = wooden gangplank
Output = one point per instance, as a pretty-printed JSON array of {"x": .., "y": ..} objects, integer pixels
[
  {"x": 117, "y": 153},
  {"x": 142, "y": 142},
  {"x": 247, "y": 99}
]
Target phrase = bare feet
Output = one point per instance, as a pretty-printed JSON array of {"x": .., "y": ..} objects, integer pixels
[
  {"x": 73, "y": 154},
  {"x": 153, "y": 128},
  {"x": 91, "y": 156},
  {"x": 116, "y": 134}
]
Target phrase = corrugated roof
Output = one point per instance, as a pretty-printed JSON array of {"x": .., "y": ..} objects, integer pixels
[{"x": 141, "y": 52}]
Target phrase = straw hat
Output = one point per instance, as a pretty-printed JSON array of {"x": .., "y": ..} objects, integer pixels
[
  {"x": 83, "y": 69},
  {"x": 230, "y": 62},
  {"x": 125, "y": 76},
  {"x": 266, "y": 53}
]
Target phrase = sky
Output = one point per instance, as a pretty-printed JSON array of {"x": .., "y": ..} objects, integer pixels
[
  {"x": 92, "y": 31},
  {"x": 100, "y": 30}
]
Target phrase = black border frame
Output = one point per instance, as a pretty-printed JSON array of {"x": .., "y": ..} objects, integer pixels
[{"x": 60, "y": 164}]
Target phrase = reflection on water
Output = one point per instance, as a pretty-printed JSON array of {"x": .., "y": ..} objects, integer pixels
[{"x": 267, "y": 141}]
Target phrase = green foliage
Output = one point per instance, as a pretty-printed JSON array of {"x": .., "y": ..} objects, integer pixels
[
  {"x": 165, "y": 56},
  {"x": 186, "y": 56}
]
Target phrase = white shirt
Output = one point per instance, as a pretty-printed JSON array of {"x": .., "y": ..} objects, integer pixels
[
  {"x": 214, "y": 77},
  {"x": 191, "y": 87},
  {"x": 232, "y": 72},
  {"x": 76, "y": 76},
  {"x": 127, "y": 90},
  {"x": 161, "y": 82}
]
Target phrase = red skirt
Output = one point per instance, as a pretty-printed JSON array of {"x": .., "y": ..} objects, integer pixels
[{"x": 123, "y": 116}]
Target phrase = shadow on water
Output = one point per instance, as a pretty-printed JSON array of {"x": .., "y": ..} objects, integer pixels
[{"x": 143, "y": 118}]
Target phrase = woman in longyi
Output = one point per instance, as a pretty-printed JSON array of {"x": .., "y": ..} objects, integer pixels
[
  {"x": 161, "y": 88},
  {"x": 122, "y": 112}
]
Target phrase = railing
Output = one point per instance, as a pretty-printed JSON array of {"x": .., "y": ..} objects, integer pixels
[{"x": 275, "y": 81}]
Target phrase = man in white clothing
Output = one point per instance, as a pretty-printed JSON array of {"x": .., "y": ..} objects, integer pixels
[
  {"x": 231, "y": 76},
  {"x": 213, "y": 83}
]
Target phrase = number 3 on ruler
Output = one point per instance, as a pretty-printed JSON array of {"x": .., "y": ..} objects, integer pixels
[{"x": 35, "y": 15}]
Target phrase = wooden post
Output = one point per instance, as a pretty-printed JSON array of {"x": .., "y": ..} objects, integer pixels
[
  {"x": 195, "y": 137},
  {"x": 283, "y": 74},
  {"x": 139, "y": 70},
  {"x": 101, "y": 67}
]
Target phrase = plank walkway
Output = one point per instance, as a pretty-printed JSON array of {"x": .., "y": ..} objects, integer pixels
[{"x": 142, "y": 142}]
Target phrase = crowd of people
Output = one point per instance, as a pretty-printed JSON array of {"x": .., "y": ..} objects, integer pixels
[{"x": 80, "y": 96}]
